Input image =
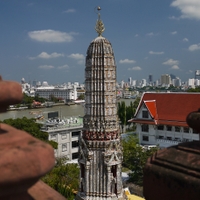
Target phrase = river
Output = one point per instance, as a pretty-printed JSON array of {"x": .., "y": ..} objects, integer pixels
[{"x": 63, "y": 110}]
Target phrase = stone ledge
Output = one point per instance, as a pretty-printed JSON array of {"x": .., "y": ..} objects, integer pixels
[
  {"x": 41, "y": 191},
  {"x": 173, "y": 173}
]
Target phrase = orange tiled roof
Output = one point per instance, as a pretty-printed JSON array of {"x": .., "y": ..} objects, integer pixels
[{"x": 169, "y": 108}]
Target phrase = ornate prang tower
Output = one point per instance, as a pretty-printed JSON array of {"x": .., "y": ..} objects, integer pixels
[{"x": 100, "y": 151}]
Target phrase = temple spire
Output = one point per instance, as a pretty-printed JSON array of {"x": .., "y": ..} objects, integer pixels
[{"x": 99, "y": 25}]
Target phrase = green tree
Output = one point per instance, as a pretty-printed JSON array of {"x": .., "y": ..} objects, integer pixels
[
  {"x": 130, "y": 111},
  {"x": 81, "y": 97},
  {"x": 121, "y": 111},
  {"x": 135, "y": 157},
  {"x": 31, "y": 127},
  {"x": 197, "y": 89},
  {"x": 64, "y": 178}
]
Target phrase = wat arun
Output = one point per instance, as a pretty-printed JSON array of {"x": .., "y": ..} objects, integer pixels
[{"x": 100, "y": 150}]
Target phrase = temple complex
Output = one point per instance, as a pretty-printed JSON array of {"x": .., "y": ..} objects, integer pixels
[{"x": 100, "y": 151}]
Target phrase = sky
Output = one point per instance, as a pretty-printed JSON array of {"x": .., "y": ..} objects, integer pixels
[{"x": 47, "y": 40}]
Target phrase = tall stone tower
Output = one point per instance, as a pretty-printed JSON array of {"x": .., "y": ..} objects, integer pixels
[{"x": 100, "y": 155}]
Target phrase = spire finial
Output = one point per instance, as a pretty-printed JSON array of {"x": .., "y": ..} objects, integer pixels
[{"x": 99, "y": 25}]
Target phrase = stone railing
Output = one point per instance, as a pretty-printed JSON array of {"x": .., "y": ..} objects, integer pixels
[{"x": 23, "y": 158}]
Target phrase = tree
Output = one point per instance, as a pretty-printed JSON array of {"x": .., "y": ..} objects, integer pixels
[
  {"x": 122, "y": 113},
  {"x": 81, "y": 97},
  {"x": 126, "y": 112},
  {"x": 130, "y": 111},
  {"x": 135, "y": 157},
  {"x": 31, "y": 127},
  {"x": 64, "y": 178},
  {"x": 197, "y": 89}
]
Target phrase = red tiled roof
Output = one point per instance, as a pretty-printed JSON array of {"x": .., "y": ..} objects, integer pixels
[
  {"x": 170, "y": 108},
  {"x": 151, "y": 106}
]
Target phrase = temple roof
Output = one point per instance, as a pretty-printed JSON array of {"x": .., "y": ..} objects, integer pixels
[{"x": 168, "y": 108}]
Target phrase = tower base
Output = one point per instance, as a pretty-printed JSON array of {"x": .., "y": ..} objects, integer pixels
[{"x": 81, "y": 196}]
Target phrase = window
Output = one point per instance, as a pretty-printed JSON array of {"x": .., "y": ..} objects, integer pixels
[
  {"x": 195, "y": 131},
  {"x": 177, "y": 139},
  {"x": 160, "y": 127},
  {"x": 169, "y": 138},
  {"x": 145, "y": 114},
  {"x": 75, "y": 144},
  {"x": 74, "y": 134},
  {"x": 75, "y": 155},
  {"x": 160, "y": 137},
  {"x": 177, "y": 128},
  {"x": 186, "y": 129},
  {"x": 169, "y": 128},
  {"x": 64, "y": 147},
  {"x": 145, "y": 127},
  {"x": 145, "y": 138}
]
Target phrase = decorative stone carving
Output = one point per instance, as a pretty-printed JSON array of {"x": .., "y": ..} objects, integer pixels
[{"x": 100, "y": 131}]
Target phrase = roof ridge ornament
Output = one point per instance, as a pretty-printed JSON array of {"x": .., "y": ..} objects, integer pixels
[{"x": 99, "y": 24}]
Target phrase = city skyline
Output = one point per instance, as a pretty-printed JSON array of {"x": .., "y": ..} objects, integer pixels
[{"x": 46, "y": 40}]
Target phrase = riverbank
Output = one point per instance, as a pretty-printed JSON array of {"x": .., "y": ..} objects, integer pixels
[{"x": 63, "y": 110}]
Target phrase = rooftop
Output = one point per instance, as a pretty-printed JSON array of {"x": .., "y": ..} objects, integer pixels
[
  {"x": 59, "y": 124},
  {"x": 169, "y": 108}
]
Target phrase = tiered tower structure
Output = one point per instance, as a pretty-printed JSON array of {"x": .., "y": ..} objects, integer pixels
[{"x": 100, "y": 149}]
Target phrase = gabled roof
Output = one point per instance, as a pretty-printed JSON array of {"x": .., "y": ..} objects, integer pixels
[
  {"x": 169, "y": 108},
  {"x": 151, "y": 106}
]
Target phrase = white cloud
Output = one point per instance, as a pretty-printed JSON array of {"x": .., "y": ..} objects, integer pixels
[
  {"x": 135, "y": 68},
  {"x": 194, "y": 47},
  {"x": 171, "y": 62},
  {"x": 156, "y": 53},
  {"x": 152, "y": 34},
  {"x": 45, "y": 55},
  {"x": 175, "y": 67},
  {"x": 46, "y": 67},
  {"x": 185, "y": 40},
  {"x": 174, "y": 33},
  {"x": 189, "y": 8},
  {"x": 174, "y": 18},
  {"x": 70, "y": 11},
  {"x": 51, "y": 36},
  {"x": 126, "y": 61},
  {"x": 77, "y": 56},
  {"x": 81, "y": 62},
  {"x": 63, "y": 67},
  {"x": 136, "y": 35}
]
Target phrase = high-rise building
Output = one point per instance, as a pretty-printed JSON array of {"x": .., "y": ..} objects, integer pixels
[
  {"x": 165, "y": 79},
  {"x": 150, "y": 78},
  {"x": 100, "y": 153},
  {"x": 130, "y": 81}
]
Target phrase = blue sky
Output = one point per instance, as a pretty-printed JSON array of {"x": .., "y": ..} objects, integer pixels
[{"x": 47, "y": 40}]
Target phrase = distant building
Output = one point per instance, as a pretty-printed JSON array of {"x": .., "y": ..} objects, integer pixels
[
  {"x": 130, "y": 81},
  {"x": 197, "y": 74},
  {"x": 143, "y": 83},
  {"x": 191, "y": 82},
  {"x": 150, "y": 79},
  {"x": 165, "y": 79},
  {"x": 64, "y": 93},
  {"x": 161, "y": 118},
  {"x": 176, "y": 82},
  {"x": 66, "y": 133}
]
